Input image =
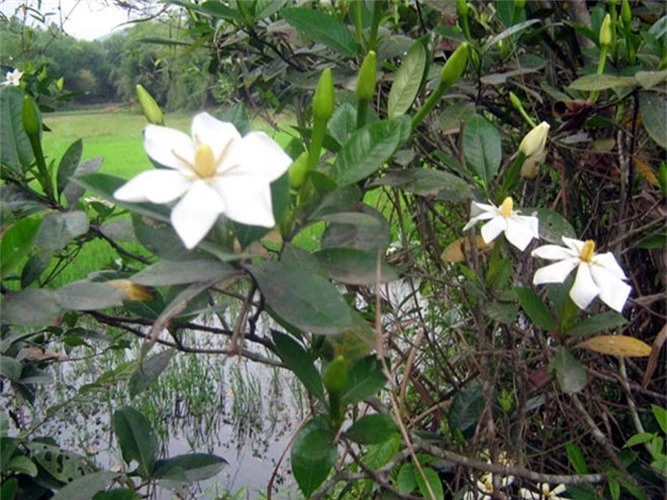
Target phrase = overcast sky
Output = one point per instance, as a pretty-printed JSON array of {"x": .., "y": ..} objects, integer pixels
[{"x": 84, "y": 19}]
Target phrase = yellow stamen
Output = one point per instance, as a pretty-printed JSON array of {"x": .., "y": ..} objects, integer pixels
[
  {"x": 205, "y": 163},
  {"x": 506, "y": 207},
  {"x": 588, "y": 252}
]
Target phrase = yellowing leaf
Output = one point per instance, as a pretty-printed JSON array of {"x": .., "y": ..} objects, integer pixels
[
  {"x": 455, "y": 250},
  {"x": 617, "y": 345},
  {"x": 646, "y": 172},
  {"x": 131, "y": 291}
]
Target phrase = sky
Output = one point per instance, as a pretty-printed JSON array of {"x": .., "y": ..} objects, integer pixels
[{"x": 83, "y": 19}]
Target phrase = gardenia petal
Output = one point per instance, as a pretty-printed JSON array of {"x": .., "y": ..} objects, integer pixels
[
  {"x": 584, "y": 289},
  {"x": 207, "y": 129},
  {"x": 556, "y": 272},
  {"x": 259, "y": 156},
  {"x": 195, "y": 214},
  {"x": 493, "y": 228},
  {"x": 246, "y": 200},
  {"x": 608, "y": 261},
  {"x": 521, "y": 231},
  {"x": 613, "y": 291},
  {"x": 575, "y": 245},
  {"x": 554, "y": 252},
  {"x": 170, "y": 148},
  {"x": 157, "y": 186},
  {"x": 477, "y": 218}
]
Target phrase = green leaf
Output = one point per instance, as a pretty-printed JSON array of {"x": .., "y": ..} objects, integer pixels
[
  {"x": 30, "y": 307},
  {"x": 118, "y": 494},
  {"x": 192, "y": 467},
  {"x": 59, "y": 228},
  {"x": 36, "y": 265},
  {"x": 303, "y": 299},
  {"x": 407, "y": 81},
  {"x": 7, "y": 445},
  {"x": 297, "y": 360},
  {"x": 653, "y": 110},
  {"x": 553, "y": 226},
  {"x": 609, "y": 320},
  {"x": 511, "y": 31},
  {"x": 482, "y": 148},
  {"x": 428, "y": 183},
  {"x": 149, "y": 371},
  {"x": 466, "y": 409},
  {"x": 660, "y": 415},
  {"x": 167, "y": 272},
  {"x": 8, "y": 488},
  {"x": 365, "y": 379},
  {"x": 535, "y": 309},
  {"x": 217, "y": 9},
  {"x": 434, "y": 482},
  {"x": 368, "y": 149},
  {"x": 85, "y": 487},
  {"x": 22, "y": 465},
  {"x": 160, "y": 238},
  {"x": 237, "y": 115},
  {"x": 68, "y": 164},
  {"x": 162, "y": 40},
  {"x": 343, "y": 123},
  {"x": 73, "y": 191},
  {"x": 571, "y": 375},
  {"x": 589, "y": 83},
  {"x": 371, "y": 429},
  {"x": 576, "y": 458},
  {"x": 15, "y": 150},
  {"x": 360, "y": 234},
  {"x": 136, "y": 438},
  {"x": 63, "y": 465},
  {"x": 322, "y": 28},
  {"x": 10, "y": 368},
  {"x": 406, "y": 481},
  {"x": 313, "y": 454},
  {"x": 639, "y": 438},
  {"x": 88, "y": 296},
  {"x": 380, "y": 454},
  {"x": 649, "y": 79},
  {"x": 17, "y": 240},
  {"x": 355, "y": 267}
]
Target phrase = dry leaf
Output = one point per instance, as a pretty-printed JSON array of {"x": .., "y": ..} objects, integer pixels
[
  {"x": 645, "y": 171},
  {"x": 653, "y": 359},
  {"x": 617, "y": 345},
  {"x": 455, "y": 250},
  {"x": 38, "y": 354}
]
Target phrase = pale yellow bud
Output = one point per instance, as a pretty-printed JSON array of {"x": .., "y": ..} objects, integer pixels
[{"x": 535, "y": 140}]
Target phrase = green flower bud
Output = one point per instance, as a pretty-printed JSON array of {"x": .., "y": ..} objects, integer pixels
[
  {"x": 516, "y": 102},
  {"x": 455, "y": 65},
  {"x": 462, "y": 8},
  {"x": 298, "y": 171},
  {"x": 323, "y": 100},
  {"x": 335, "y": 376},
  {"x": 626, "y": 13},
  {"x": 605, "y": 32},
  {"x": 535, "y": 140},
  {"x": 519, "y": 4},
  {"x": 32, "y": 119},
  {"x": 367, "y": 77},
  {"x": 149, "y": 107}
]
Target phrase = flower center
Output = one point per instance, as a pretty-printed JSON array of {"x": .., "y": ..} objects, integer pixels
[
  {"x": 588, "y": 251},
  {"x": 205, "y": 164},
  {"x": 506, "y": 207}
]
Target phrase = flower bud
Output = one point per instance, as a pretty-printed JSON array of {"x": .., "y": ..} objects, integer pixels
[
  {"x": 605, "y": 32},
  {"x": 531, "y": 166},
  {"x": 323, "y": 100},
  {"x": 516, "y": 102},
  {"x": 149, "y": 107},
  {"x": 335, "y": 376},
  {"x": 535, "y": 140},
  {"x": 367, "y": 77},
  {"x": 455, "y": 66},
  {"x": 519, "y": 4},
  {"x": 32, "y": 120},
  {"x": 626, "y": 13},
  {"x": 462, "y": 8},
  {"x": 298, "y": 171}
]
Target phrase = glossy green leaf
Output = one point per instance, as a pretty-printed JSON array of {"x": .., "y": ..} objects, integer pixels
[
  {"x": 85, "y": 487},
  {"x": 371, "y": 429},
  {"x": 68, "y": 164},
  {"x": 605, "y": 321},
  {"x": 7, "y": 444},
  {"x": 553, "y": 226},
  {"x": 407, "y": 81},
  {"x": 576, "y": 458},
  {"x": 72, "y": 191},
  {"x": 162, "y": 40},
  {"x": 482, "y": 148},
  {"x": 118, "y": 494},
  {"x": 15, "y": 150},
  {"x": 355, "y": 267},
  {"x": 8, "y": 488},
  {"x": 364, "y": 379},
  {"x": 428, "y": 183},
  {"x": 10, "y": 368},
  {"x": 536, "y": 310},
  {"x": 17, "y": 240},
  {"x": 590, "y": 83},
  {"x": 343, "y": 123},
  {"x": 570, "y": 373},
  {"x": 406, "y": 481},
  {"x": 511, "y": 31},
  {"x": 322, "y": 28},
  {"x": 368, "y": 149},
  {"x": 166, "y": 272},
  {"x": 298, "y": 360},
  {"x": 653, "y": 110},
  {"x": 88, "y": 296},
  {"x": 193, "y": 467},
  {"x": 148, "y": 371},
  {"x": 63, "y": 465},
  {"x": 660, "y": 415},
  {"x": 361, "y": 233},
  {"x": 466, "y": 409},
  {"x": 160, "y": 238},
  {"x": 59, "y": 228},
  {"x": 136, "y": 438},
  {"x": 639, "y": 438},
  {"x": 649, "y": 79},
  {"x": 30, "y": 307},
  {"x": 434, "y": 489},
  {"x": 22, "y": 465},
  {"x": 36, "y": 265},
  {"x": 237, "y": 115},
  {"x": 313, "y": 454},
  {"x": 303, "y": 299},
  {"x": 381, "y": 454}
]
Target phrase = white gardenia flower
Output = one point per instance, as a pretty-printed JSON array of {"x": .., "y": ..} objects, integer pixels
[
  {"x": 597, "y": 274},
  {"x": 545, "y": 492},
  {"x": 519, "y": 229},
  {"x": 484, "y": 487},
  {"x": 13, "y": 78},
  {"x": 534, "y": 141},
  {"x": 214, "y": 172}
]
